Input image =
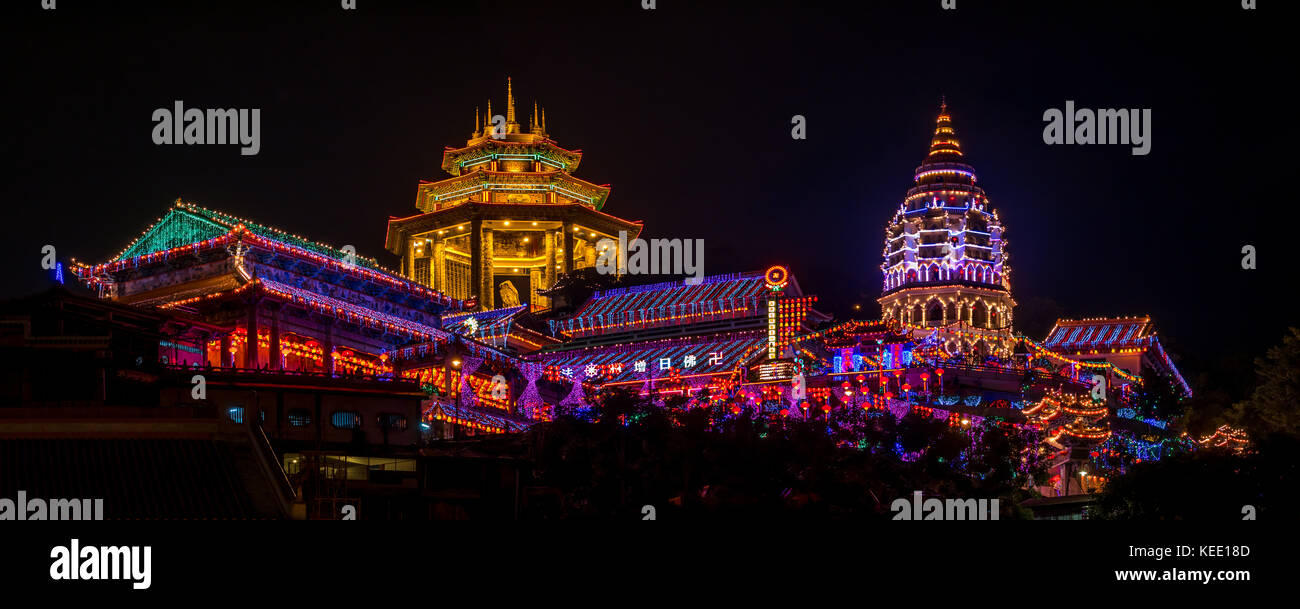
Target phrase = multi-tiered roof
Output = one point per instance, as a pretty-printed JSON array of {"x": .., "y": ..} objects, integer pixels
[
  {"x": 507, "y": 163},
  {"x": 945, "y": 232}
]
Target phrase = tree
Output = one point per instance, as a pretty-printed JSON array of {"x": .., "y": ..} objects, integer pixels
[
  {"x": 1159, "y": 396},
  {"x": 1274, "y": 407},
  {"x": 1208, "y": 484}
]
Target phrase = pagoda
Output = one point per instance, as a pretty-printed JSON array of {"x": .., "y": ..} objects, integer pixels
[
  {"x": 511, "y": 218},
  {"x": 945, "y": 261}
]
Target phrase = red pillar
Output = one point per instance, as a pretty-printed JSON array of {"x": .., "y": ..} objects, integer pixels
[
  {"x": 329, "y": 347},
  {"x": 226, "y": 360},
  {"x": 250, "y": 353},
  {"x": 277, "y": 362}
]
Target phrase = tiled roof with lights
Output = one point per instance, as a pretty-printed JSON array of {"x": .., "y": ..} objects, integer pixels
[
  {"x": 708, "y": 357},
  {"x": 734, "y": 295},
  {"x": 1100, "y": 334},
  {"x": 188, "y": 223}
]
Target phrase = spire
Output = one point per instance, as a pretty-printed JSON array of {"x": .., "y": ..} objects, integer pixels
[
  {"x": 944, "y": 146},
  {"x": 476, "y": 122},
  {"x": 534, "y": 122},
  {"x": 510, "y": 101},
  {"x": 945, "y": 163},
  {"x": 543, "y": 119}
]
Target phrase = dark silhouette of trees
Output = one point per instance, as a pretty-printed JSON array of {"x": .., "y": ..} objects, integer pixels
[
  {"x": 1274, "y": 407},
  {"x": 706, "y": 461}
]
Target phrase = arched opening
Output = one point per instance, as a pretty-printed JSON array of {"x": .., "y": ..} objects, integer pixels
[
  {"x": 934, "y": 313},
  {"x": 916, "y": 315},
  {"x": 952, "y": 312},
  {"x": 980, "y": 315}
]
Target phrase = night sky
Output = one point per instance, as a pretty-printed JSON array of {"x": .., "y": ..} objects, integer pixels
[{"x": 685, "y": 110}]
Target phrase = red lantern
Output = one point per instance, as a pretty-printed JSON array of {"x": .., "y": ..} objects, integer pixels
[
  {"x": 785, "y": 412},
  {"x": 826, "y": 408},
  {"x": 925, "y": 376},
  {"x": 938, "y": 371},
  {"x": 907, "y": 387}
]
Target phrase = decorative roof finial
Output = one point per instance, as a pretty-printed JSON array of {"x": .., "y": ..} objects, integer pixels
[{"x": 510, "y": 102}]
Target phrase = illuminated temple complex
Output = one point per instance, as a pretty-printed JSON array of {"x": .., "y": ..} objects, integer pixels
[{"x": 334, "y": 352}]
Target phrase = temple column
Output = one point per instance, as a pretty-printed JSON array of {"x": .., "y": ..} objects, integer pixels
[
  {"x": 534, "y": 282},
  {"x": 566, "y": 247},
  {"x": 225, "y": 359},
  {"x": 548, "y": 269},
  {"x": 327, "y": 347},
  {"x": 438, "y": 274},
  {"x": 277, "y": 362},
  {"x": 487, "y": 295},
  {"x": 203, "y": 337},
  {"x": 250, "y": 346},
  {"x": 476, "y": 259}
]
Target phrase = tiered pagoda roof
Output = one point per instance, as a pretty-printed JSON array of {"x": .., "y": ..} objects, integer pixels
[
  {"x": 508, "y": 171},
  {"x": 944, "y": 232}
]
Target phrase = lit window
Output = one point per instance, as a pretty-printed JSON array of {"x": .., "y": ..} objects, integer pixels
[
  {"x": 346, "y": 419},
  {"x": 299, "y": 417}
]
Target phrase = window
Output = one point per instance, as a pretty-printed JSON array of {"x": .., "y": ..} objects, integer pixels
[
  {"x": 389, "y": 420},
  {"x": 299, "y": 417},
  {"x": 346, "y": 419},
  {"x": 236, "y": 414}
]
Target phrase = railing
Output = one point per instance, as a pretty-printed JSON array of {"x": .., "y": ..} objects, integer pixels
[
  {"x": 271, "y": 467},
  {"x": 385, "y": 378}
]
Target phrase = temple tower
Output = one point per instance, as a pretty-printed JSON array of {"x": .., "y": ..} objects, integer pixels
[
  {"x": 511, "y": 218},
  {"x": 945, "y": 261}
]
